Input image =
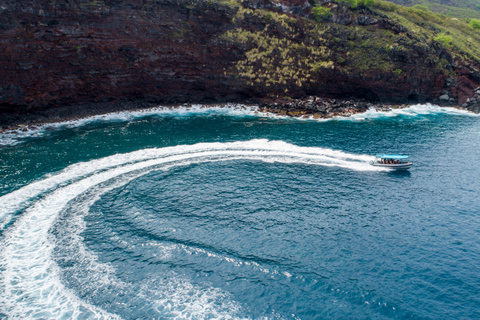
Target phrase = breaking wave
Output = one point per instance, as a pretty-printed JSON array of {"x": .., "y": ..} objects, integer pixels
[{"x": 13, "y": 137}]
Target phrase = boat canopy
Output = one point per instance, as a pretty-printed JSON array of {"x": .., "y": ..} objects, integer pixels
[{"x": 391, "y": 156}]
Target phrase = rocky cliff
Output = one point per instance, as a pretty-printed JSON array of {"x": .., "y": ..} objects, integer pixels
[{"x": 57, "y": 53}]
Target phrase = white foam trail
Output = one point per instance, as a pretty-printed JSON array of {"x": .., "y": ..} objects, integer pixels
[
  {"x": 198, "y": 304},
  {"x": 263, "y": 149},
  {"x": 31, "y": 285},
  {"x": 165, "y": 293},
  {"x": 9, "y": 138},
  {"x": 30, "y": 281}
]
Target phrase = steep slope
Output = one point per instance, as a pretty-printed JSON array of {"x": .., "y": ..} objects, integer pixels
[
  {"x": 469, "y": 9},
  {"x": 58, "y": 53}
]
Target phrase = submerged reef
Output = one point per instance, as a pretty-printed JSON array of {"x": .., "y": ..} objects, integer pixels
[{"x": 61, "y": 58}]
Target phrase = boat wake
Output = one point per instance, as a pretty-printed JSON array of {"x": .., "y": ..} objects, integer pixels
[{"x": 30, "y": 279}]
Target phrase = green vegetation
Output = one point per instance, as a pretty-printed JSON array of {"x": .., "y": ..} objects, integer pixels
[
  {"x": 447, "y": 40},
  {"x": 357, "y": 3},
  {"x": 364, "y": 3},
  {"x": 426, "y": 26},
  {"x": 462, "y": 9},
  {"x": 461, "y": 13},
  {"x": 320, "y": 13},
  {"x": 421, "y": 7},
  {"x": 278, "y": 60},
  {"x": 385, "y": 6},
  {"x": 369, "y": 52},
  {"x": 288, "y": 52},
  {"x": 232, "y": 3},
  {"x": 475, "y": 23}
]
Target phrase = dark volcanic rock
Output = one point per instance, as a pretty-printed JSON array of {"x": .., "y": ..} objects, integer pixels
[
  {"x": 473, "y": 103},
  {"x": 110, "y": 53},
  {"x": 315, "y": 107}
]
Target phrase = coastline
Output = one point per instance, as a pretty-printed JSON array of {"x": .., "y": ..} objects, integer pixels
[{"x": 312, "y": 107}]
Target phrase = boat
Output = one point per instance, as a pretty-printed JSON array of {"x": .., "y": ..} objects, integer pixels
[{"x": 391, "y": 161}]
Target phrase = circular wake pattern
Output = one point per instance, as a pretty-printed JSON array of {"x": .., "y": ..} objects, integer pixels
[{"x": 51, "y": 215}]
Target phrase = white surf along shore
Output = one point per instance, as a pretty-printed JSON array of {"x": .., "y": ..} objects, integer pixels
[{"x": 16, "y": 135}]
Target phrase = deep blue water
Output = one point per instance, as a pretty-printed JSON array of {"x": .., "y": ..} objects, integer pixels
[{"x": 218, "y": 214}]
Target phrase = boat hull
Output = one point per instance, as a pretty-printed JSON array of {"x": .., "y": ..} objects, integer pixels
[{"x": 395, "y": 166}]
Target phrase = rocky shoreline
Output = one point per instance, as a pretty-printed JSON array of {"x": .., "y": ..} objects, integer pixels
[
  {"x": 309, "y": 107},
  {"x": 473, "y": 104},
  {"x": 319, "y": 108},
  {"x": 36, "y": 117}
]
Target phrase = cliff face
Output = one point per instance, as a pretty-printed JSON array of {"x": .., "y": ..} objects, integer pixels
[
  {"x": 61, "y": 52},
  {"x": 56, "y": 52}
]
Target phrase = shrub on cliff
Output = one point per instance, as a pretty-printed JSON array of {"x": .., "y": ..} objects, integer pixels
[
  {"x": 358, "y": 3},
  {"x": 364, "y": 3},
  {"x": 475, "y": 23},
  {"x": 445, "y": 39},
  {"x": 321, "y": 13}
]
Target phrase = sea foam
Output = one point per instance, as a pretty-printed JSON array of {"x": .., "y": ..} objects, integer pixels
[
  {"x": 30, "y": 281},
  {"x": 13, "y": 137}
]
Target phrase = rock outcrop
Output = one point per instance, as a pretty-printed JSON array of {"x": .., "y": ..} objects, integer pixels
[
  {"x": 58, "y": 53},
  {"x": 473, "y": 103}
]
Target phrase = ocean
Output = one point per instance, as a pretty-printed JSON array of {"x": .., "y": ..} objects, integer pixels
[{"x": 230, "y": 213}]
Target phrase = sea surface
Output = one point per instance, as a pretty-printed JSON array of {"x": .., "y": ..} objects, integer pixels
[{"x": 228, "y": 213}]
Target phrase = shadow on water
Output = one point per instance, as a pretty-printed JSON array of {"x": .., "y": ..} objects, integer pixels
[{"x": 399, "y": 173}]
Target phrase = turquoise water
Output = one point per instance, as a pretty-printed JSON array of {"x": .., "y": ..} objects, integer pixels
[{"x": 225, "y": 214}]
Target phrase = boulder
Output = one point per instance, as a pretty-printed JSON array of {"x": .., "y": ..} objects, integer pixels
[
  {"x": 366, "y": 20},
  {"x": 444, "y": 97}
]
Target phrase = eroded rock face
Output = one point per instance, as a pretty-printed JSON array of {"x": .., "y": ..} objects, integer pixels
[
  {"x": 68, "y": 53},
  {"x": 57, "y": 53}
]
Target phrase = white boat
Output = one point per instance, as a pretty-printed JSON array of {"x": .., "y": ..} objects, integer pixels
[{"x": 391, "y": 161}]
